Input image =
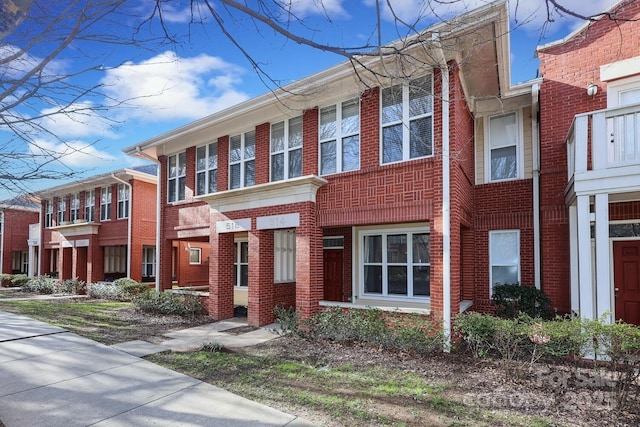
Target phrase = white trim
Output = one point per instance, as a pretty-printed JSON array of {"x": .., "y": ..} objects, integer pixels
[
  {"x": 177, "y": 177},
  {"x": 242, "y": 163},
  {"x": 194, "y": 251},
  {"x": 491, "y": 265},
  {"x": 620, "y": 69},
  {"x": 286, "y": 150},
  {"x": 519, "y": 144},
  {"x": 339, "y": 136},
  {"x": 623, "y": 85}
]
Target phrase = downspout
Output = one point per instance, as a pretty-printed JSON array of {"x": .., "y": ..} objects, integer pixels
[
  {"x": 446, "y": 200},
  {"x": 130, "y": 207},
  {"x": 535, "y": 140},
  {"x": 158, "y": 213},
  {"x": 2, "y": 243}
]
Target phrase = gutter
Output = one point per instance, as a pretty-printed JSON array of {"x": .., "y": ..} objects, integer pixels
[
  {"x": 141, "y": 153},
  {"x": 129, "y": 218},
  {"x": 535, "y": 139},
  {"x": 446, "y": 200}
]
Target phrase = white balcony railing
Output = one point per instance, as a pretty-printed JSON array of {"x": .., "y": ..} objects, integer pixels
[{"x": 614, "y": 141}]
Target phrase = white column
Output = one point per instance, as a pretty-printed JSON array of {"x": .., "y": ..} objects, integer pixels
[
  {"x": 586, "y": 289},
  {"x": 573, "y": 256},
  {"x": 603, "y": 262}
]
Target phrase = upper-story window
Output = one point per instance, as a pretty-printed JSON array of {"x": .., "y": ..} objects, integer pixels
[
  {"x": 74, "y": 208},
  {"x": 242, "y": 154},
  {"x": 340, "y": 137},
  {"x": 177, "y": 168},
  {"x": 504, "y": 147},
  {"x": 105, "y": 204},
  {"x": 207, "y": 169},
  {"x": 62, "y": 207},
  {"x": 286, "y": 149},
  {"x": 90, "y": 205},
  {"x": 123, "y": 201},
  {"x": 48, "y": 214},
  {"x": 407, "y": 120}
]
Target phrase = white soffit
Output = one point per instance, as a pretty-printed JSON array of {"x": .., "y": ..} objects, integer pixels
[{"x": 620, "y": 69}]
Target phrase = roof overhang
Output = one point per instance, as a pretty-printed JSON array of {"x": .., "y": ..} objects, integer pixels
[{"x": 92, "y": 182}]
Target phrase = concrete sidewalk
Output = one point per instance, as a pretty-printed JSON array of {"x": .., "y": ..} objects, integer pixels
[{"x": 51, "y": 377}]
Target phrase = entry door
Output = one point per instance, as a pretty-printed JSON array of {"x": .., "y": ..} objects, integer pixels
[
  {"x": 626, "y": 278},
  {"x": 333, "y": 274}
]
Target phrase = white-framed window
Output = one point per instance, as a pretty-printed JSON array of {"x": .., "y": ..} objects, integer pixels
[
  {"x": 20, "y": 262},
  {"x": 284, "y": 256},
  {"x": 177, "y": 173},
  {"x": 115, "y": 259},
  {"x": 48, "y": 214},
  {"x": 395, "y": 262},
  {"x": 105, "y": 203},
  {"x": 242, "y": 154},
  {"x": 148, "y": 261},
  {"x": 62, "y": 207},
  {"x": 407, "y": 120},
  {"x": 340, "y": 137},
  {"x": 504, "y": 150},
  {"x": 123, "y": 201},
  {"x": 74, "y": 208},
  {"x": 53, "y": 262},
  {"x": 504, "y": 257},
  {"x": 286, "y": 149},
  {"x": 90, "y": 205},
  {"x": 195, "y": 256},
  {"x": 207, "y": 169},
  {"x": 241, "y": 264}
]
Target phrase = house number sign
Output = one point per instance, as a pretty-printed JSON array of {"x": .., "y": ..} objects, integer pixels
[
  {"x": 278, "y": 221},
  {"x": 232, "y": 226}
]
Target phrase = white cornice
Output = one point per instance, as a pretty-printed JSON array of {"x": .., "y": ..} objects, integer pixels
[{"x": 77, "y": 229}]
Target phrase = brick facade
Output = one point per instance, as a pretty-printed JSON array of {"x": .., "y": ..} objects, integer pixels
[{"x": 15, "y": 236}]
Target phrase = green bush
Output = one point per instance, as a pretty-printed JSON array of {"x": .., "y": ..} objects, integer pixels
[
  {"x": 40, "y": 285},
  {"x": 212, "y": 347},
  {"x": 70, "y": 286},
  {"x": 124, "y": 281},
  {"x": 168, "y": 303},
  {"x": 477, "y": 332},
  {"x": 511, "y": 300},
  {"x": 5, "y": 280},
  {"x": 288, "y": 319},
  {"x": 565, "y": 338},
  {"x": 19, "y": 279},
  {"x": 105, "y": 290}
]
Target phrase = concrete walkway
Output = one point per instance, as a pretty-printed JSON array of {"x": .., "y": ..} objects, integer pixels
[{"x": 51, "y": 377}]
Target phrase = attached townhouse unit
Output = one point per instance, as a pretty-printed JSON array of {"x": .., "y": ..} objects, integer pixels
[
  {"x": 590, "y": 167},
  {"x": 16, "y": 253},
  {"x": 100, "y": 228},
  {"x": 404, "y": 182}
]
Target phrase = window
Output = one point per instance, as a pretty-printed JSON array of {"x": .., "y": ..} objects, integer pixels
[
  {"x": 504, "y": 257},
  {"x": 53, "y": 262},
  {"x": 89, "y": 205},
  {"x": 207, "y": 169},
  {"x": 395, "y": 263},
  {"x": 286, "y": 149},
  {"x": 177, "y": 165},
  {"x": 241, "y": 265},
  {"x": 115, "y": 259},
  {"x": 284, "y": 255},
  {"x": 105, "y": 204},
  {"x": 123, "y": 201},
  {"x": 407, "y": 120},
  {"x": 62, "y": 207},
  {"x": 340, "y": 137},
  {"x": 242, "y": 152},
  {"x": 148, "y": 261},
  {"x": 195, "y": 255},
  {"x": 74, "y": 211},
  {"x": 20, "y": 262},
  {"x": 504, "y": 147},
  {"x": 48, "y": 214}
]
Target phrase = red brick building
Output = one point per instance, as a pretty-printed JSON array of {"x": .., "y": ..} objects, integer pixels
[
  {"x": 590, "y": 167},
  {"x": 100, "y": 228},
  {"x": 15, "y": 217},
  {"x": 409, "y": 193}
]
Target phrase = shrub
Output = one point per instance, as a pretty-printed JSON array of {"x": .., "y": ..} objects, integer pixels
[
  {"x": 124, "y": 281},
  {"x": 105, "y": 290},
  {"x": 70, "y": 286},
  {"x": 212, "y": 347},
  {"x": 168, "y": 303},
  {"x": 477, "y": 331},
  {"x": 511, "y": 300},
  {"x": 19, "y": 279},
  {"x": 565, "y": 338},
  {"x": 288, "y": 319},
  {"x": 40, "y": 285}
]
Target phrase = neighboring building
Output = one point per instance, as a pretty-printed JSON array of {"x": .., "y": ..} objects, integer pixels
[
  {"x": 100, "y": 228},
  {"x": 389, "y": 193},
  {"x": 590, "y": 167},
  {"x": 15, "y": 217}
]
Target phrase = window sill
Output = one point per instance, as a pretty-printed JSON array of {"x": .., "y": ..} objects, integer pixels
[{"x": 396, "y": 309}]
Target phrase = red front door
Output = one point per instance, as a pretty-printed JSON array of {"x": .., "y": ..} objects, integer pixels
[
  {"x": 333, "y": 275},
  {"x": 626, "y": 278}
]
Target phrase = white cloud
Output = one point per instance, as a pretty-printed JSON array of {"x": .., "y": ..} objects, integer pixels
[
  {"x": 195, "y": 11},
  {"x": 77, "y": 121},
  {"x": 304, "y": 8},
  {"x": 71, "y": 154},
  {"x": 170, "y": 87}
]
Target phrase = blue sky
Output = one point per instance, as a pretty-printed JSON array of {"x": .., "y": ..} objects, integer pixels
[{"x": 170, "y": 85}]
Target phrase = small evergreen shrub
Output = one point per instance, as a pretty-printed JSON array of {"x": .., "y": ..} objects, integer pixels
[
  {"x": 288, "y": 319},
  {"x": 70, "y": 286},
  {"x": 477, "y": 332},
  {"x": 511, "y": 300},
  {"x": 19, "y": 279},
  {"x": 40, "y": 285},
  {"x": 168, "y": 303},
  {"x": 130, "y": 287},
  {"x": 105, "y": 290},
  {"x": 5, "y": 280}
]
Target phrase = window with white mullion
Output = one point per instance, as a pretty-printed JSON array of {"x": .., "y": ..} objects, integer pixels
[
  {"x": 407, "y": 120},
  {"x": 89, "y": 205},
  {"x": 207, "y": 169},
  {"x": 74, "y": 208},
  {"x": 123, "y": 201},
  {"x": 105, "y": 204},
  {"x": 340, "y": 144},
  {"x": 286, "y": 149},
  {"x": 148, "y": 261},
  {"x": 504, "y": 147},
  {"x": 177, "y": 172},
  {"x": 62, "y": 207},
  {"x": 48, "y": 214},
  {"x": 242, "y": 153},
  {"x": 241, "y": 264},
  {"x": 284, "y": 256}
]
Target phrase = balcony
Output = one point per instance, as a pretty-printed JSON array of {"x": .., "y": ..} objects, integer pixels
[{"x": 607, "y": 160}]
